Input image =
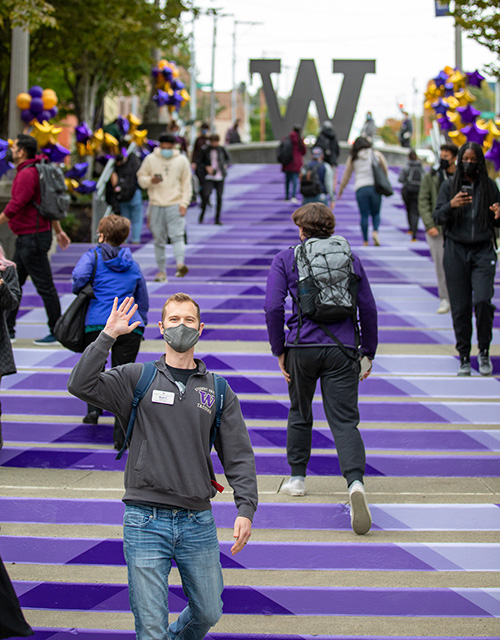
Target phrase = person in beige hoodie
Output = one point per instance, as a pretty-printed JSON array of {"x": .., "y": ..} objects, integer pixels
[{"x": 166, "y": 175}]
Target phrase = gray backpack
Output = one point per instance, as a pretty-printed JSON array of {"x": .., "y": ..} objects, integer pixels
[
  {"x": 327, "y": 288},
  {"x": 55, "y": 198}
]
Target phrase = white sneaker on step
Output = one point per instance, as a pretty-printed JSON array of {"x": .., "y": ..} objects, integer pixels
[
  {"x": 294, "y": 486},
  {"x": 444, "y": 306},
  {"x": 361, "y": 519}
]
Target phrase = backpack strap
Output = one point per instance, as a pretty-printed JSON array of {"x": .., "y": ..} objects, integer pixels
[
  {"x": 146, "y": 379},
  {"x": 220, "y": 385}
]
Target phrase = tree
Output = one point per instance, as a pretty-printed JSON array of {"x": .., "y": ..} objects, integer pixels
[
  {"x": 481, "y": 20},
  {"x": 104, "y": 46},
  {"x": 30, "y": 14}
]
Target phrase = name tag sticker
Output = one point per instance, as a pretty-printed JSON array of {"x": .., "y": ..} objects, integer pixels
[{"x": 163, "y": 397}]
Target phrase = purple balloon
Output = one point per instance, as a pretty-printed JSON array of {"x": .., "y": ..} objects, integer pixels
[
  {"x": 36, "y": 105},
  {"x": 36, "y": 92},
  {"x": 26, "y": 115},
  {"x": 53, "y": 112},
  {"x": 44, "y": 115}
]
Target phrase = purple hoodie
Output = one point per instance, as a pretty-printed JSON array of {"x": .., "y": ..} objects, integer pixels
[{"x": 283, "y": 279}]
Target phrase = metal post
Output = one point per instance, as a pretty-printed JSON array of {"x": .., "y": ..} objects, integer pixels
[
  {"x": 212, "y": 90},
  {"x": 234, "y": 91},
  {"x": 458, "y": 47},
  {"x": 19, "y": 66},
  {"x": 194, "y": 88}
]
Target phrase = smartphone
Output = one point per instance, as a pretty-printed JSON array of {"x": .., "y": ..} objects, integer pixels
[
  {"x": 366, "y": 365},
  {"x": 158, "y": 176},
  {"x": 467, "y": 188}
]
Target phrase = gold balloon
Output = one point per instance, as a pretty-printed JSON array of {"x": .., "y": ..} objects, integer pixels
[
  {"x": 71, "y": 183},
  {"x": 449, "y": 70},
  {"x": 111, "y": 143},
  {"x": 185, "y": 96},
  {"x": 464, "y": 97},
  {"x": 139, "y": 137},
  {"x": 162, "y": 64},
  {"x": 452, "y": 102},
  {"x": 45, "y": 133},
  {"x": 49, "y": 98},
  {"x": 23, "y": 100},
  {"x": 457, "y": 78},
  {"x": 457, "y": 137},
  {"x": 134, "y": 123}
]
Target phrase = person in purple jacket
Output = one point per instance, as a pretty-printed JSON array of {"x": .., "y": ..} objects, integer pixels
[
  {"x": 315, "y": 356},
  {"x": 117, "y": 274}
]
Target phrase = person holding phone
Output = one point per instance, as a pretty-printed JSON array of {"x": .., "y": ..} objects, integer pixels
[{"x": 468, "y": 208}]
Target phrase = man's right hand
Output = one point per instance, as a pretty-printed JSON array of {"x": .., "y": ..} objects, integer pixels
[
  {"x": 433, "y": 232},
  {"x": 119, "y": 318},
  {"x": 155, "y": 180}
]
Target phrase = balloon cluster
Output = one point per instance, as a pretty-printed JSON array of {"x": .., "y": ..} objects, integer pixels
[
  {"x": 74, "y": 179},
  {"x": 449, "y": 96},
  {"x": 5, "y": 165},
  {"x": 38, "y": 105},
  {"x": 46, "y": 135},
  {"x": 90, "y": 143},
  {"x": 170, "y": 91}
]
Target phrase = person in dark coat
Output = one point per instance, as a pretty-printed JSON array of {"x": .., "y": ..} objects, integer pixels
[
  {"x": 292, "y": 169},
  {"x": 327, "y": 140},
  {"x": 10, "y": 297},
  {"x": 406, "y": 131},
  {"x": 212, "y": 170},
  {"x": 410, "y": 176}
]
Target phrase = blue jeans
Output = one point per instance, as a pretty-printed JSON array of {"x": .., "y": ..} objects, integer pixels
[
  {"x": 152, "y": 538},
  {"x": 369, "y": 203},
  {"x": 133, "y": 211},
  {"x": 291, "y": 177}
]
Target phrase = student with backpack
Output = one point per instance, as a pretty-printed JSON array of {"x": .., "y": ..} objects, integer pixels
[
  {"x": 290, "y": 152},
  {"x": 29, "y": 220},
  {"x": 330, "y": 292},
  {"x": 128, "y": 193},
  {"x": 411, "y": 177},
  {"x": 316, "y": 180},
  {"x": 169, "y": 476}
]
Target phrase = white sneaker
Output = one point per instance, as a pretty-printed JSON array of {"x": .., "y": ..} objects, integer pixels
[
  {"x": 361, "y": 519},
  {"x": 161, "y": 276},
  {"x": 295, "y": 201},
  {"x": 294, "y": 486},
  {"x": 444, "y": 306}
]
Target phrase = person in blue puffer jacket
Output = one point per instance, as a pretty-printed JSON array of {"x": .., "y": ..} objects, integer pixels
[{"x": 117, "y": 274}]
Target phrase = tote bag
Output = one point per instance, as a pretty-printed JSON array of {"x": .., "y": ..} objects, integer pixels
[
  {"x": 382, "y": 184},
  {"x": 70, "y": 328}
]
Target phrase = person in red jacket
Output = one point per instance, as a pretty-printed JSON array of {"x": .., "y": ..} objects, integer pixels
[
  {"x": 34, "y": 234},
  {"x": 292, "y": 169}
]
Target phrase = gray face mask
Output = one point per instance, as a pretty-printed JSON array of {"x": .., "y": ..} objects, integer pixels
[{"x": 181, "y": 338}]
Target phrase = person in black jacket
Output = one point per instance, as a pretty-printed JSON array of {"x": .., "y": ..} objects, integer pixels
[
  {"x": 212, "y": 169},
  {"x": 468, "y": 208}
]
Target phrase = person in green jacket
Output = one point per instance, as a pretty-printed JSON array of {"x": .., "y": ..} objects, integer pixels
[{"x": 427, "y": 197}]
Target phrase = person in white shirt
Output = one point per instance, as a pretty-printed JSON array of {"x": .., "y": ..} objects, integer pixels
[{"x": 166, "y": 175}]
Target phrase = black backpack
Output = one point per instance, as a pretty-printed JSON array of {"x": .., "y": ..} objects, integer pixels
[
  {"x": 414, "y": 178},
  {"x": 284, "y": 154},
  {"x": 127, "y": 179},
  {"x": 310, "y": 184}
]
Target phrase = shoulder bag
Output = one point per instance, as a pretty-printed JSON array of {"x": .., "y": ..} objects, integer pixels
[
  {"x": 70, "y": 328},
  {"x": 381, "y": 181}
]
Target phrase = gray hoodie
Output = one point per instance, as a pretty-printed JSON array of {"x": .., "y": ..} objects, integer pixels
[{"x": 169, "y": 458}]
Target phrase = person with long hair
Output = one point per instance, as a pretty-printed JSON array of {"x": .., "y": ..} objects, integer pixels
[
  {"x": 468, "y": 208},
  {"x": 369, "y": 201}
]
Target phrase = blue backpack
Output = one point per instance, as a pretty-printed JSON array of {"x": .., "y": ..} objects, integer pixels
[{"x": 146, "y": 379}]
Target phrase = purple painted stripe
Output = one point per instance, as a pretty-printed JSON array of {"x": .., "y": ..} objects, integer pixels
[
  {"x": 334, "y": 601},
  {"x": 271, "y": 555},
  {"x": 388, "y": 517},
  {"x": 438, "y": 466},
  {"x": 44, "y": 633},
  {"x": 394, "y": 439}
]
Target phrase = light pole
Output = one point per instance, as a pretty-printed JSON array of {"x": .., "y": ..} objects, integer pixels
[
  {"x": 215, "y": 15},
  {"x": 234, "y": 91},
  {"x": 193, "y": 106}
]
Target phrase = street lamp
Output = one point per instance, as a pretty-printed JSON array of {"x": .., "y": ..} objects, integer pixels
[
  {"x": 234, "y": 91},
  {"x": 215, "y": 15}
]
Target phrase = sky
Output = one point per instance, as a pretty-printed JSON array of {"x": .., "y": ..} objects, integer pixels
[{"x": 409, "y": 44}]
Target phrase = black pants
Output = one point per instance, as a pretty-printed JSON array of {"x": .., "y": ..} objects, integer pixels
[
  {"x": 206, "y": 190},
  {"x": 411, "y": 204},
  {"x": 470, "y": 274},
  {"x": 32, "y": 260},
  {"x": 123, "y": 351},
  {"x": 339, "y": 377}
]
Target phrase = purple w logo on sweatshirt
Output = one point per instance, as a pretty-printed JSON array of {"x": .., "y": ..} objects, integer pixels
[{"x": 207, "y": 399}]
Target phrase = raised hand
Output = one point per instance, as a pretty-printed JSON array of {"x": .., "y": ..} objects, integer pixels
[{"x": 119, "y": 318}]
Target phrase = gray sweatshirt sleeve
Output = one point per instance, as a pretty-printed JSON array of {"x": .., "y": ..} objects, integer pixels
[
  {"x": 237, "y": 457},
  {"x": 112, "y": 390}
]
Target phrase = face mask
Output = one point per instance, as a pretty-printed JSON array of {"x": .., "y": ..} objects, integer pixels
[
  {"x": 8, "y": 155},
  {"x": 166, "y": 153},
  {"x": 181, "y": 338},
  {"x": 204, "y": 131},
  {"x": 444, "y": 164},
  {"x": 470, "y": 169}
]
